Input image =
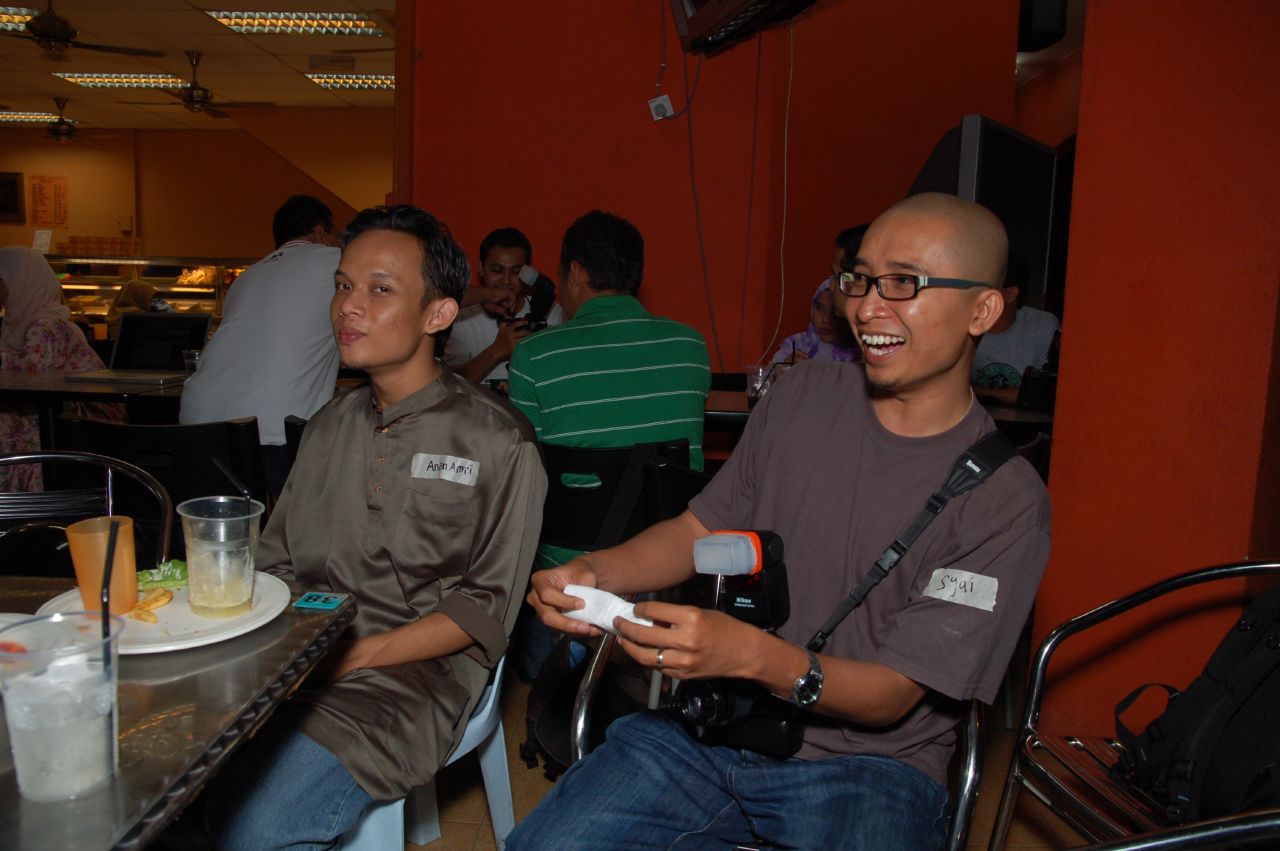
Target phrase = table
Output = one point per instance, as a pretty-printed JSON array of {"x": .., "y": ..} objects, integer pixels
[
  {"x": 48, "y": 390},
  {"x": 726, "y": 409},
  {"x": 181, "y": 714}
]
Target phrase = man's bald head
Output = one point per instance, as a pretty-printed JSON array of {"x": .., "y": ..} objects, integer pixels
[{"x": 968, "y": 238}]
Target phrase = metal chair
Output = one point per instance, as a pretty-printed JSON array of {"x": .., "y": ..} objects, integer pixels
[
  {"x": 383, "y": 826},
  {"x": 179, "y": 456},
  {"x": 33, "y": 513},
  {"x": 1070, "y": 774}
]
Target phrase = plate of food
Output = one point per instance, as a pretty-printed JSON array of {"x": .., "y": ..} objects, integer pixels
[{"x": 163, "y": 620}]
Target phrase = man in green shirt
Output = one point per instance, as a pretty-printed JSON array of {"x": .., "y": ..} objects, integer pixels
[{"x": 613, "y": 375}]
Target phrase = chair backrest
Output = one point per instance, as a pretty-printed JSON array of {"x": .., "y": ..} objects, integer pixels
[
  {"x": 294, "y": 426},
  {"x": 53, "y": 509},
  {"x": 179, "y": 456},
  {"x": 594, "y": 495}
]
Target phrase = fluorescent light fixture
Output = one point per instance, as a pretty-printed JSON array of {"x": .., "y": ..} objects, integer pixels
[
  {"x": 123, "y": 81},
  {"x": 31, "y": 118},
  {"x": 321, "y": 23},
  {"x": 354, "y": 81},
  {"x": 14, "y": 18}
]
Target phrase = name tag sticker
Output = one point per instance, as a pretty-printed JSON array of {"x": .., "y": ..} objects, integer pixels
[
  {"x": 464, "y": 471},
  {"x": 963, "y": 587}
]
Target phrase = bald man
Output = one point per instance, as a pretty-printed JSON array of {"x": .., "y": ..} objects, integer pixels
[{"x": 837, "y": 459}]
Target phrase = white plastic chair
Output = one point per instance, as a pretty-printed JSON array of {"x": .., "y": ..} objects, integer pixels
[{"x": 385, "y": 826}]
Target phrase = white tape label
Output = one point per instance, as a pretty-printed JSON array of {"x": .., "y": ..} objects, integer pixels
[
  {"x": 963, "y": 587},
  {"x": 464, "y": 471}
]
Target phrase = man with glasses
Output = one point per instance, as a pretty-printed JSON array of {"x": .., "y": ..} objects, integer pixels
[{"x": 837, "y": 459}]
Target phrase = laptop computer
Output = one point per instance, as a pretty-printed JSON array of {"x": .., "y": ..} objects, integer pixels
[{"x": 149, "y": 347}]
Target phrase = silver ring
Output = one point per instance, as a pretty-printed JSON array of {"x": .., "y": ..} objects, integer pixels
[{"x": 659, "y": 658}]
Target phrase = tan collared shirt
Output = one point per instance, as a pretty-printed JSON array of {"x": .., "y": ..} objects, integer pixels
[{"x": 434, "y": 504}]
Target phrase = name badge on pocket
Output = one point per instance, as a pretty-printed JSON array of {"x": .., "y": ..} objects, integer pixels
[
  {"x": 963, "y": 587},
  {"x": 464, "y": 471}
]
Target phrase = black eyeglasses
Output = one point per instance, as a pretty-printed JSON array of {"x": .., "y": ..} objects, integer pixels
[{"x": 899, "y": 287}]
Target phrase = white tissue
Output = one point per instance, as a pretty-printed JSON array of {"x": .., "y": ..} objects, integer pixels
[{"x": 601, "y": 608}]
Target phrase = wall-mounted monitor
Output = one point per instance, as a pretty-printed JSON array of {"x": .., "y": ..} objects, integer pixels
[
  {"x": 1008, "y": 173},
  {"x": 710, "y": 26}
]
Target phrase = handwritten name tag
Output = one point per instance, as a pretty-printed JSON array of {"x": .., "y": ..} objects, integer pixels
[
  {"x": 464, "y": 471},
  {"x": 963, "y": 587}
]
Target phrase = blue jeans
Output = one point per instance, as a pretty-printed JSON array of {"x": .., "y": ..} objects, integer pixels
[
  {"x": 653, "y": 786},
  {"x": 283, "y": 791}
]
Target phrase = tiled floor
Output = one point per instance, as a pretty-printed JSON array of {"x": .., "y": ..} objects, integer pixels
[{"x": 464, "y": 816}]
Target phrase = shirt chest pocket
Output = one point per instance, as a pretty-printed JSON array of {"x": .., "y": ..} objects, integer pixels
[{"x": 435, "y": 529}]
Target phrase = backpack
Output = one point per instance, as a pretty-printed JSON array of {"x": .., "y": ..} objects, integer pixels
[
  {"x": 549, "y": 712},
  {"x": 1216, "y": 748}
]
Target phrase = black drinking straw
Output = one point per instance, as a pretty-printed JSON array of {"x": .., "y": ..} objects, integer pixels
[
  {"x": 238, "y": 485},
  {"x": 106, "y": 586}
]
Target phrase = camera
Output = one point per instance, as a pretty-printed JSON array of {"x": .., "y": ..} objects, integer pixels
[
  {"x": 542, "y": 296},
  {"x": 751, "y": 586}
]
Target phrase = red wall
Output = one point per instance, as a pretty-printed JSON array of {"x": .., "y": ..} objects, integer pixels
[
  {"x": 1168, "y": 353},
  {"x": 1049, "y": 105},
  {"x": 537, "y": 115}
]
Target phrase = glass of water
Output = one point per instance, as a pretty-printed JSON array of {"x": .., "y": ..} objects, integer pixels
[{"x": 58, "y": 676}]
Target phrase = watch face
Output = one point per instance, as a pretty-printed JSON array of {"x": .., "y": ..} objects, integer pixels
[{"x": 808, "y": 686}]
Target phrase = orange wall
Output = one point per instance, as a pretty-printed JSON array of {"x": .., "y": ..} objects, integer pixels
[
  {"x": 553, "y": 123},
  {"x": 212, "y": 194},
  {"x": 189, "y": 192},
  {"x": 99, "y": 171},
  {"x": 1049, "y": 105},
  {"x": 1162, "y": 403},
  {"x": 348, "y": 151}
]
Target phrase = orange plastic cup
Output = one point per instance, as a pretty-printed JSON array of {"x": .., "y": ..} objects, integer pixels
[{"x": 88, "y": 542}]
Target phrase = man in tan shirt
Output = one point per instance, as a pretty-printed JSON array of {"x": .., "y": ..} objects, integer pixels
[{"x": 421, "y": 496}]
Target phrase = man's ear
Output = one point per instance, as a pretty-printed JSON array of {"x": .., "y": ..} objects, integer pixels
[
  {"x": 439, "y": 315},
  {"x": 987, "y": 308},
  {"x": 578, "y": 275}
]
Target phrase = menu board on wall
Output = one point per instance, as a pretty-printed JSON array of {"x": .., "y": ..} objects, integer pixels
[{"x": 48, "y": 202}]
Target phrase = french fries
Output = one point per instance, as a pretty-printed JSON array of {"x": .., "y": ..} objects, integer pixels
[{"x": 154, "y": 599}]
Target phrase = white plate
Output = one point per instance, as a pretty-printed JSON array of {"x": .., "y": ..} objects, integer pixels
[{"x": 179, "y": 628}]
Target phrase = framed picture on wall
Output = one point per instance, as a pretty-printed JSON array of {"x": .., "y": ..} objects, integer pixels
[{"x": 11, "y": 207}]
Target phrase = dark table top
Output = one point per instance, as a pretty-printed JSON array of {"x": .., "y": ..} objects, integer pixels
[
  {"x": 181, "y": 714},
  {"x": 25, "y": 387}
]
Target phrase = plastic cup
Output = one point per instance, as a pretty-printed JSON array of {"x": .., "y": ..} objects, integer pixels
[
  {"x": 88, "y": 542},
  {"x": 221, "y": 540},
  {"x": 58, "y": 677},
  {"x": 191, "y": 360}
]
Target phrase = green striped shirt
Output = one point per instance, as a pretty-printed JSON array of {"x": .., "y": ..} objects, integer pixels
[{"x": 614, "y": 375}]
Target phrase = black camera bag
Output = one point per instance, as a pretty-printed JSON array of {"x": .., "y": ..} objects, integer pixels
[{"x": 1215, "y": 750}]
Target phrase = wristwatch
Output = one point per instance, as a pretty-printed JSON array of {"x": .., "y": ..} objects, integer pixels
[{"x": 808, "y": 686}]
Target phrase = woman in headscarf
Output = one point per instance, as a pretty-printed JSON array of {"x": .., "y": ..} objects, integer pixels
[
  {"x": 37, "y": 336},
  {"x": 828, "y": 336}
]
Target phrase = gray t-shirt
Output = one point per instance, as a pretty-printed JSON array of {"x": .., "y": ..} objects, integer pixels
[
  {"x": 816, "y": 466},
  {"x": 1002, "y": 358}
]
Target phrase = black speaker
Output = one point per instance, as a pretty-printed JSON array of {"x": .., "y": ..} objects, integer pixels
[{"x": 1040, "y": 24}]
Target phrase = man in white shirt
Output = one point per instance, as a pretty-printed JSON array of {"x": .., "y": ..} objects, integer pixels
[
  {"x": 485, "y": 335},
  {"x": 274, "y": 353},
  {"x": 1022, "y": 337}
]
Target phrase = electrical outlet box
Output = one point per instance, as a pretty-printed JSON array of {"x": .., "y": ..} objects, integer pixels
[{"x": 660, "y": 107}]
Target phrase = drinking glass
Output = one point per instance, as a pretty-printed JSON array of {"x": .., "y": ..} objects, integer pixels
[
  {"x": 88, "y": 542},
  {"x": 58, "y": 676},
  {"x": 222, "y": 536}
]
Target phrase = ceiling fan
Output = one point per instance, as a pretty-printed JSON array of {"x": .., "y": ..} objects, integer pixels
[
  {"x": 61, "y": 130},
  {"x": 196, "y": 98},
  {"x": 55, "y": 34}
]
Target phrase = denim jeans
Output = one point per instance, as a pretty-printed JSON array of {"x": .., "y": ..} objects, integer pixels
[
  {"x": 653, "y": 786},
  {"x": 283, "y": 791}
]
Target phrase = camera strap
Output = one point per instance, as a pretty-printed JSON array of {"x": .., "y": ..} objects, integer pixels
[{"x": 971, "y": 469}]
